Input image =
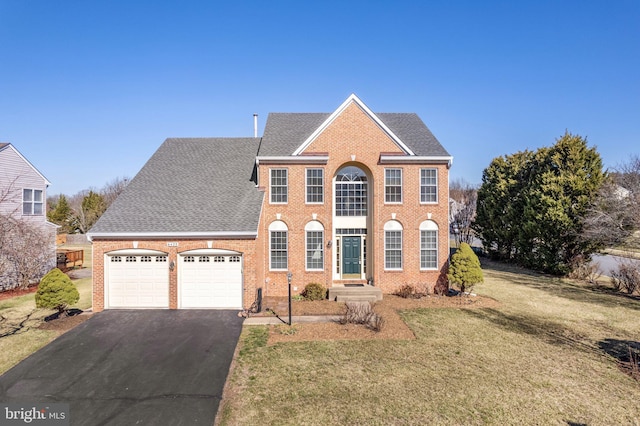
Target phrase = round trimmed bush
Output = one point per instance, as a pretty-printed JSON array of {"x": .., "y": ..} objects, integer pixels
[
  {"x": 314, "y": 291},
  {"x": 464, "y": 268},
  {"x": 56, "y": 291}
]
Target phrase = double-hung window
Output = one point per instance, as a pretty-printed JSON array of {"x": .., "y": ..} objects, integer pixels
[
  {"x": 32, "y": 202},
  {"x": 278, "y": 250},
  {"x": 279, "y": 186},
  {"x": 428, "y": 185},
  {"x": 428, "y": 249},
  {"x": 315, "y": 186},
  {"x": 315, "y": 255},
  {"x": 393, "y": 245},
  {"x": 393, "y": 185}
]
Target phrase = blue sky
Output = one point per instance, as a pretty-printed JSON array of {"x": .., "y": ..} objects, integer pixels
[{"x": 89, "y": 90}]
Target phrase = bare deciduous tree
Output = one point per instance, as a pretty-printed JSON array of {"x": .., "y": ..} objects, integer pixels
[
  {"x": 462, "y": 210},
  {"x": 26, "y": 250},
  {"x": 113, "y": 188},
  {"x": 614, "y": 214}
]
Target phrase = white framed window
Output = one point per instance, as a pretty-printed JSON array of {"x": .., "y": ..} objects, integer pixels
[
  {"x": 393, "y": 186},
  {"x": 278, "y": 246},
  {"x": 279, "y": 186},
  {"x": 351, "y": 192},
  {"x": 32, "y": 202},
  {"x": 393, "y": 245},
  {"x": 428, "y": 185},
  {"x": 428, "y": 245},
  {"x": 314, "y": 246},
  {"x": 315, "y": 186}
]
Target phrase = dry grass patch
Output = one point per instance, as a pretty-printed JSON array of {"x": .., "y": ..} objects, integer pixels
[
  {"x": 534, "y": 357},
  {"x": 25, "y": 329}
]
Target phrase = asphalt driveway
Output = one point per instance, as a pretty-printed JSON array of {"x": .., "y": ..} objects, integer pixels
[{"x": 130, "y": 367}]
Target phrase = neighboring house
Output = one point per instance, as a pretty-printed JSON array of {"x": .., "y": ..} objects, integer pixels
[
  {"x": 23, "y": 195},
  {"x": 349, "y": 197}
]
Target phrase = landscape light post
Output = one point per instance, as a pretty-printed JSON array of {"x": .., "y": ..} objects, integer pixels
[{"x": 289, "y": 276}]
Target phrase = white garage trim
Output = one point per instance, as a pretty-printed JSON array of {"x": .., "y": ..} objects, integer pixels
[
  {"x": 210, "y": 279},
  {"x": 136, "y": 279}
]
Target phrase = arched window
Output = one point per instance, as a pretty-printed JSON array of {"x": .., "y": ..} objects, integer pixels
[
  {"x": 428, "y": 245},
  {"x": 278, "y": 245},
  {"x": 351, "y": 192},
  {"x": 393, "y": 245},
  {"x": 314, "y": 232}
]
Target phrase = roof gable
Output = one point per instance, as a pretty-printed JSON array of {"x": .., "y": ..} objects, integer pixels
[
  {"x": 286, "y": 134},
  {"x": 352, "y": 99},
  {"x": 7, "y": 146}
]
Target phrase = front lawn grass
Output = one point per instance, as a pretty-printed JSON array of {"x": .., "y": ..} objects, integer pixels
[
  {"x": 542, "y": 357},
  {"x": 16, "y": 347}
]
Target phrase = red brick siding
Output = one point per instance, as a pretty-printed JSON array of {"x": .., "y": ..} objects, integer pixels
[
  {"x": 246, "y": 247},
  {"x": 353, "y": 133}
]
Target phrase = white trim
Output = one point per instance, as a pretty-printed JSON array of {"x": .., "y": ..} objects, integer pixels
[
  {"x": 429, "y": 225},
  {"x": 313, "y": 227},
  {"x": 152, "y": 235},
  {"x": 210, "y": 252},
  {"x": 402, "y": 159},
  {"x": 401, "y": 185},
  {"x": 136, "y": 252},
  {"x": 304, "y": 159},
  {"x": 271, "y": 170},
  {"x": 306, "y": 185},
  {"x": 424, "y": 203},
  {"x": 351, "y": 99}
]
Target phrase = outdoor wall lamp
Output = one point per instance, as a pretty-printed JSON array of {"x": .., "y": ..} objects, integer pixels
[
  {"x": 329, "y": 244},
  {"x": 172, "y": 265}
]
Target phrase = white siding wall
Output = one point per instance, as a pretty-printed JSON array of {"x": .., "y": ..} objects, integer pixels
[{"x": 16, "y": 175}]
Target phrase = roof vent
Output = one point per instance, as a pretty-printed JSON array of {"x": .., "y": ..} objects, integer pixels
[{"x": 255, "y": 125}]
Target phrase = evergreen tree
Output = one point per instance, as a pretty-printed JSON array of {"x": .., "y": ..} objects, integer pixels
[
  {"x": 532, "y": 206},
  {"x": 56, "y": 291},
  {"x": 61, "y": 214},
  {"x": 464, "y": 268}
]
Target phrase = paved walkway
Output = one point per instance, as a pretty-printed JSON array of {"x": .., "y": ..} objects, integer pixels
[{"x": 271, "y": 320}]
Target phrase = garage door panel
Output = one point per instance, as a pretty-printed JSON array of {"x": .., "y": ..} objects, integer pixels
[
  {"x": 138, "y": 282},
  {"x": 211, "y": 282}
]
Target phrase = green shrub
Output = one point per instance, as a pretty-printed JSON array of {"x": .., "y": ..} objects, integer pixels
[
  {"x": 464, "y": 268},
  {"x": 314, "y": 291},
  {"x": 56, "y": 291}
]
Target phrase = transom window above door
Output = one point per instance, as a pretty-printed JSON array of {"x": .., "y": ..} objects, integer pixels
[{"x": 351, "y": 192}]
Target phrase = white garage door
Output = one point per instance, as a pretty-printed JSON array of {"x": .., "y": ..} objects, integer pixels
[
  {"x": 211, "y": 281},
  {"x": 138, "y": 281}
]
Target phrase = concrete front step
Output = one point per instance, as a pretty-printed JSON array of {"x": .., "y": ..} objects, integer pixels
[
  {"x": 364, "y": 293},
  {"x": 357, "y": 298}
]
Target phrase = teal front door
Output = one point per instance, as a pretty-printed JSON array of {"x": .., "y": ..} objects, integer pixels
[{"x": 351, "y": 256}]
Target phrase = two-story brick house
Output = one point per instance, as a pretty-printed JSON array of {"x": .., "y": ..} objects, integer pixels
[{"x": 335, "y": 198}]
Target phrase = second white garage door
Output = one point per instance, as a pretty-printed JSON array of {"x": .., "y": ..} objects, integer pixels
[{"x": 210, "y": 281}]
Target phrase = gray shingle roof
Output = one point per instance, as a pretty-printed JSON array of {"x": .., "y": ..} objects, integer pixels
[
  {"x": 190, "y": 185},
  {"x": 285, "y": 132}
]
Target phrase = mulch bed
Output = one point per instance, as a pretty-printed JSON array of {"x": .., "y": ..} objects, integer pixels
[
  {"x": 65, "y": 323},
  {"x": 394, "y": 328},
  {"x": 18, "y": 292}
]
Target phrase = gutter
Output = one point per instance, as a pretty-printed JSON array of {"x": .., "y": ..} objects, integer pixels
[{"x": 171, "y": 235}]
